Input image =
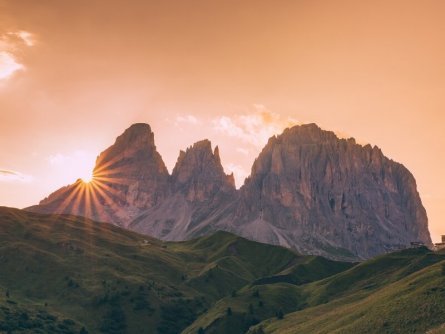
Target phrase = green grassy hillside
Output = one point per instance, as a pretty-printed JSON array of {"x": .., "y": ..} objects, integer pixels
[
  {"x": 61, "y": 273},
  {"x": 402, "y": 292},
  {"x": 66, "y": 274}
]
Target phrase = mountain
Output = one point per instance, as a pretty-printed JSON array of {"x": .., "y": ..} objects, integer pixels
[
  {"x": 199, "y": 175},
  {"x": 308, "y": 190},
  {"x": 200, "y": 193},
  {"x": 62, "y": 274},
  {"x": 321, "y": 194},
  {"x": 131, "y": 176}
]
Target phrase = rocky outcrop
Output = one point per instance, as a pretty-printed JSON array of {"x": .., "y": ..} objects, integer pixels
[
  {"x": 129, "y": 177},
  {"x": 132, "y": 186},
  {"x": 202, "y": 194},
  {"x": 199, "y": 175},
  {"x": 308, "y": 190},
  {"x": 324, "y": 195}
]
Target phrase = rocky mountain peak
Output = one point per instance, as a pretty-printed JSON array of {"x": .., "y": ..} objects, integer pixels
[
  {"x": 198, "y": 172},
  {"x": 306, "y": 134},
  {"x": 131, "y": 174},
  {"x": 308, "y": 179},
  {"x": 138, "y": 133},
  {"x": 216, "y": 154},
  {"x": 308, "y": 190},
  {"x": 134, "y": 148}
]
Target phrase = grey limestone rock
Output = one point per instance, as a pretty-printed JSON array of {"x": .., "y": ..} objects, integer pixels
[{"x": 308, "y": 190}]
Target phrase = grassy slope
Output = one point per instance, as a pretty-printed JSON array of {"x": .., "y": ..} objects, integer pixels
[
  {"x": 59, "y": 273},
  {"x": 86, "y": 270},
  {"x": 397, "y": 293},
  {"x": 112, "y": 280},
  {"x": 264, "y": 297},
  {"x": 346, "y": 287}
]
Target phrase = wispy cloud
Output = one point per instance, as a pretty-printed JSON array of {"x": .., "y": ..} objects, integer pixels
[
  {"x": 25, "y": 36},
  {"x": 242, "y": 150},
  {"x": 254, "y": 128},
  {"x": 13, "y": 176},
  {"x": 73, "y": 165},
  {"x": 11, "y": 45},
  {"x": 59, "y": 159},
  {"x": 251, "y": 129},
  {"x": 186, "y": 119},
  {"x": 8, "y": 65}
]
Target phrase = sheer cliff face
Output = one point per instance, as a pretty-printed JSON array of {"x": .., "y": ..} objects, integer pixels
[
  {"x": 308, "y": 190},
  {"x": 199, "y": 175},
  {"x": 130, "y": 176},
  {"x": 131, "y": 183},
  {"x": 327, "y": 193},
  {"x": 133, "y": 169},
  {"x": 200, "y": 195}
]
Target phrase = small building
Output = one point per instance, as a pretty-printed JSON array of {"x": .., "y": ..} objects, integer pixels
[{"x": 440, "y": 245}]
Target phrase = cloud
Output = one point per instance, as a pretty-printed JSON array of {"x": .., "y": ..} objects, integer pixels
[
  {"x": 60, "y": 159},
  {"x": 13, "y": 176},
  {"x": 8, "y": 65},
  {"x": 25, "y": 36},
  {"x": 254, "y": 128},
  {"x": 186, "y": 119},
  {"x": 11, "y": 44},
  {"x": 73, "y": 165},
  {"x": 242, "y": 150}
]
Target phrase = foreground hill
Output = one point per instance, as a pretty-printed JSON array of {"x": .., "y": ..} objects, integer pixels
[
  {"x": 59, "y": 273},
  {"x": 409, "y": 298},
  {"x": 308, "y": 190},
  {"x": 67, "y": 274},
  {"x": 400, "y": 292}
]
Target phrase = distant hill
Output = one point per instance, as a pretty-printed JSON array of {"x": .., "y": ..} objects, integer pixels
[{"x": 308, "y": 190}]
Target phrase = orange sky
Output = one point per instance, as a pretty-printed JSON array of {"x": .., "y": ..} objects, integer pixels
[{"x": 75, "y": 74}]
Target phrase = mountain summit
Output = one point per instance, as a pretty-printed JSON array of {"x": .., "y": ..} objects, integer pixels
[
  {"x": 319, "y": 192},
  {"x": 198, "y": 173},
  {"x": 129, "y": 177},
  {"x": 308, "y": 190}
]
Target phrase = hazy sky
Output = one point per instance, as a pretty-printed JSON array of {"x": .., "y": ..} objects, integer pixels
[{"x": 75, "y": 74}]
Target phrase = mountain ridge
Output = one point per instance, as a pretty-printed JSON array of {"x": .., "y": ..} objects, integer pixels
[{"x": 308, "y": 190}]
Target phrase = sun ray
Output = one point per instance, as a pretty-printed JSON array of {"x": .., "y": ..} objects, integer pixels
[
  {"x": 87, "y": 199},
  {"x": 70, "y": 200},
  {"x": 95, "y": 201},
  {"x": 110, "y": 190},
  {"x": 60, "y": 209},
  {"x": 107, "y": 195},
  {"x": 77, "y": 204},
  {"x": 101, "y": 166},
  {"x": 115, "y": 179},
  {"x": 114, "y": 176},
  {"x": 88, "y": 189}
]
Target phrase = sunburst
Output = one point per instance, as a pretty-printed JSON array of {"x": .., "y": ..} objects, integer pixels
[{"x": 94, "y": 194}]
